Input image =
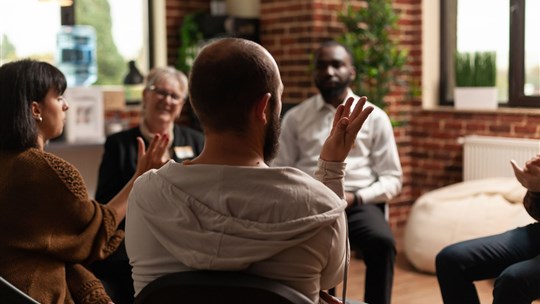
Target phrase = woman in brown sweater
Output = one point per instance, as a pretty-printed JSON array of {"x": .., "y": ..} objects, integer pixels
[{"x": 49, "y": 228}]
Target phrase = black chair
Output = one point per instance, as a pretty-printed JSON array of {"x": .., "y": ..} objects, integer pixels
[
  {"x": 12, "y": 295},
  {"x": 205, "y": 287}
]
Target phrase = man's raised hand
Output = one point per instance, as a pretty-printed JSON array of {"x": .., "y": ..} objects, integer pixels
[{"x": 345, "y": 127}]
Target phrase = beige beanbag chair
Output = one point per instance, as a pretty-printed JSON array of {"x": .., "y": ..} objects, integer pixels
[{"x": 460, "y": 212}]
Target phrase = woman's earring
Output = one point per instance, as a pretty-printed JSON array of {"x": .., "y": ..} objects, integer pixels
[{"x": 39, "y": 118}]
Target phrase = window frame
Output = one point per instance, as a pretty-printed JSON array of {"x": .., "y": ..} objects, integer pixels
[{"x": 516, "y": 67}]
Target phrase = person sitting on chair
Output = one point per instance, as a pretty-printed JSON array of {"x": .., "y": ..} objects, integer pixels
[
  {"x": 512, "y": 258},
  {"x": 163, "y": 98},
  {"x": 373, "y": 168},
  {"x": 226, "y": 209},
  {"x": 50, "y": 229}
]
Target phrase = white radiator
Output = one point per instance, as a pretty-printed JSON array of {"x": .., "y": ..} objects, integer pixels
[{"x": 486, "y": 156}]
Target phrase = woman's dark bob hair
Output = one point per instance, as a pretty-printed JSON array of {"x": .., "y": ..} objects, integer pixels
[{"x": 21, "y": 83}]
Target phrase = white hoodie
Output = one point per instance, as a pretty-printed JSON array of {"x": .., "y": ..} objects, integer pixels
[{"x": 278, "y": 223}]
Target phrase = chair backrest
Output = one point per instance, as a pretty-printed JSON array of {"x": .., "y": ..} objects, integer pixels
[
  {"x": 207, "y": 286},
  {"x": 11, "y": 294}
]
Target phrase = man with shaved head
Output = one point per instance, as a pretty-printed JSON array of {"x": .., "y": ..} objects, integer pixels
[{"x": 226, "y": 209}]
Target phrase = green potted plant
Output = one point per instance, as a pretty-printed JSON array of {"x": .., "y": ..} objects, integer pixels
[
  {"x": 475, "y": 76},
  {"x": 377, "y": 55},
  {"x": 191, "y": 38}
]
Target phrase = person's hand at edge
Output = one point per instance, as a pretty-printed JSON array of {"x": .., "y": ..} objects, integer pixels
[
  {"x": 345, "y": 127},
  {"x": 529, "y": 176}
]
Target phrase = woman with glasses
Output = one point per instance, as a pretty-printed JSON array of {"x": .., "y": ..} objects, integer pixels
[
  {"x": 50, "y": 229},
  {"x": 162, "y": 101}
]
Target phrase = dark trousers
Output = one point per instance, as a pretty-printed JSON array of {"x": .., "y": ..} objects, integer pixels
[
  {"x": 115, "y": 275},
  {"x": 120, "y": 286},
  {"x": 370, "y": 233},
  {"x": 513, "y": 258}
]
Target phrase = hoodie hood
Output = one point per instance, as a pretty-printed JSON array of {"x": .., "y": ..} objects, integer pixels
[{"x": 229, "y": 217}]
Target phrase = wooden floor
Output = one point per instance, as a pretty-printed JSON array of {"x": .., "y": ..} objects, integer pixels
[{"x": 410, "y": 285}]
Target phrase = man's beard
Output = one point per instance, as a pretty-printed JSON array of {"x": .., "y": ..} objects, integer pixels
[
  {"x": 331, "y": 93},
  {"x": 271, "y": 139}
]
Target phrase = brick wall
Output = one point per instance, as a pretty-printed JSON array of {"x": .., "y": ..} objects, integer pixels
[
  {"x": 437, "y": 157},
  {"x": 175, "y": 10},
  {"x": 291, "y": 30}
]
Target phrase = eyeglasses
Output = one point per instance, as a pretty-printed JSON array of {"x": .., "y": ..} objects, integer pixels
[{"x": 162, "y": 93}]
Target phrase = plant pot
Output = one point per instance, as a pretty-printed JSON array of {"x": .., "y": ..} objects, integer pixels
[{"x": 475, "y": 98}]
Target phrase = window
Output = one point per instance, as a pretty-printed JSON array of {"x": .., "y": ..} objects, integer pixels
[
  {"x": 19, "y": 39},
  {"x": 532, "y": 49},
  {"x": 121, "y": 29},
  {"x": 511, "y": 29}
]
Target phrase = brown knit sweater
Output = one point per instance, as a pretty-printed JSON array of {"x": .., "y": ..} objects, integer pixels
[{"x": 50, "y": 229}]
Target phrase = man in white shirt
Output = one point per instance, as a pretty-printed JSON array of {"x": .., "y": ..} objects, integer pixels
[
  {"x": 373, "y": 174},
  {"x": 226, "y": 209}
]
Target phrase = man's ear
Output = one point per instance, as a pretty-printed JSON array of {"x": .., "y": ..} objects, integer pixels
[
  {"x": 35, "y": 108},
  {"x": 261, "y": 108},
  {"x": 353, "y": 72}
]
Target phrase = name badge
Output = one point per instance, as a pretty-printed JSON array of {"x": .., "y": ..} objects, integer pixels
[{"x": 183, "y": 152}]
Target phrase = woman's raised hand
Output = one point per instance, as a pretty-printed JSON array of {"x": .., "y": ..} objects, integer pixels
[{"x": 151, "y": 158}]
